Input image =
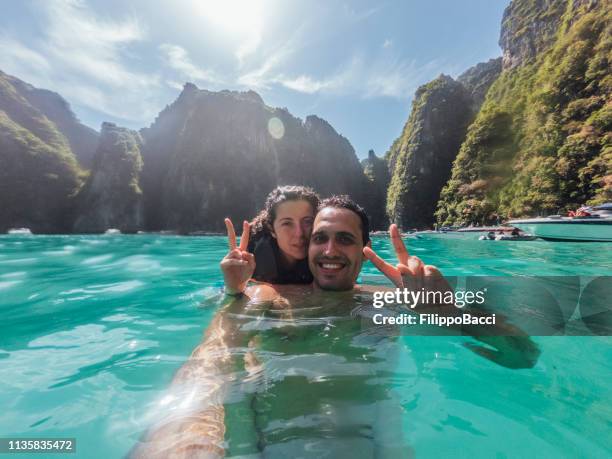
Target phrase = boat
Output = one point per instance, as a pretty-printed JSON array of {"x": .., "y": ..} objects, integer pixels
[
  {"x": 428, "y": 234},
  {"x": 592, "y": 224},
  {"x": 520, "y": 237},
  {"x": 112, "y": 231},
  {"x": 503, "y": 234},
  {"x": 486, "y": 229},
  {"x": 19, "y": 231}
]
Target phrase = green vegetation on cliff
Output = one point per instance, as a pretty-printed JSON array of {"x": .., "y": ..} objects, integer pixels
[
  {"x": 38, "y": 171},
  {"x": 420, "y": 159},
  {"x": 541, "y": 142},
  {"x": 111, "y": 197}
]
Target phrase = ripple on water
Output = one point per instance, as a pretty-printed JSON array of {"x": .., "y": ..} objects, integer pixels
[
  {"x": 8, "y": 284},
  {"x": 95, "y": 241},
  {"x": 12, "y": 275},
  {"x": 118, "y": 318},
  {"x": 19, "y": 261},
  {"x": 66, "y": 250},
  {"x": 106, "y": 288},
  {"x": 140, "y": 263},
  {"x": 97, "y": 260}
]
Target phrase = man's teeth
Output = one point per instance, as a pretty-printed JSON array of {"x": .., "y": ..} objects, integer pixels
[{"x": 331, "y": 265}]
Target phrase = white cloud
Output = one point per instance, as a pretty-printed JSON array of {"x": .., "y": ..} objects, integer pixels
[
  {"x": 178, "y": 58},
  {"x": 359, "y": 77},
  {"x": 85, "y": 59},
  {"x": 386, "y": 74},
  {"x": 21, "y": 58},
  {"x": 306, "y": 84},
  {"x": 91, "y": 47},
  {"x": 358, "y": 16},
  {"x": 264, "y": 75},
  {"x": 249, "y": 45},
  {"x": 174, "y": 84}
]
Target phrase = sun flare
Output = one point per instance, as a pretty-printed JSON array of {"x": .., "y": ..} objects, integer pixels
[{"x": 235, "y": 16}]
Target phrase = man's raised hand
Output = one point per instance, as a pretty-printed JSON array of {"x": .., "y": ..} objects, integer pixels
[
  {"x": 238, "y": 265},
  {"x": 410, "y": 272}
]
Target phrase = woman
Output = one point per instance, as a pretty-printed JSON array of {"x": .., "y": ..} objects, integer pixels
[{"x": 274, "y": 246}]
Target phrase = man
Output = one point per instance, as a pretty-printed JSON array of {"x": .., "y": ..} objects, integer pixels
[
  {"x": 339, "y": 244},
  {"x": 236, "y": 384}
]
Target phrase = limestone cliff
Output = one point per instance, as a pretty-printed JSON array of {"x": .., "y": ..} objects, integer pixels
[
  {"x": 541, "y": 142},
  {"x": 421, "y": 158},
  {"x": 38, "y": 170},
  {"x": 112, "y": 197},
  {"x": 82, "y": 140},
  {"x": 376, "y": 171},
  {"x": 528, "y": 28},
  {"x": 478, "y": 79},
  {"x": 216, "y": 154}
]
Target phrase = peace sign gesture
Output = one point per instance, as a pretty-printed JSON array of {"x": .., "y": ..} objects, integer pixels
[
  {"x": 410, "y": 272},
  {"x": 238, "y": 265}
]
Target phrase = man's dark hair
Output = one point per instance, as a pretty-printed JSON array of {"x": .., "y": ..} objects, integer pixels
[{"x": 344, "y": 202}]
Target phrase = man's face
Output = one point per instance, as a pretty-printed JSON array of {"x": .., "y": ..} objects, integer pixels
[{"x": 335, "y": 254}]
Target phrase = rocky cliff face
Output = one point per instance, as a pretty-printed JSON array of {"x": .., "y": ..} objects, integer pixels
[
  {"x": 528, "y": 28},
  {"x": 216, "y": 154},
  {"x": 82, "y": 140},
  {"x": 541, "y": 142},
  {"x": 111, "y": 197},
  {"x": 376, "y": 171},
  {"x": 422, "y": 156},
  {"x": 38, "y": 170},
  {"x": 208, "y": 155},
  {"x": 478, "y": 79}
]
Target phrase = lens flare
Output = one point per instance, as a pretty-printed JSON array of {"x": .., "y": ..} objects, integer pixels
[{"x": 276, "y": 128}]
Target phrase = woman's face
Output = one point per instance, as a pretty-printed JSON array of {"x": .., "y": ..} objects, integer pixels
[{"x": 292, "y": 228}]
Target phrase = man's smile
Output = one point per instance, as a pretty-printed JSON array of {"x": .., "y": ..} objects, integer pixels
[{"x": 330, "y": 266}]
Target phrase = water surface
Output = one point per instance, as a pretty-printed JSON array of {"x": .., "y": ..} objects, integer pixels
[{"x": 94, "y": 328}]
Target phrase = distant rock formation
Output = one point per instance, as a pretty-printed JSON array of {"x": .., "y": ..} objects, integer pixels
[
  {"x": 38, "y": 170},
  {"x": 421, "y": 158},
  {"x": 111, "y": 197},
  {"x": 478, "y": 79},
  {"x": 82, "y": 140},
  {"x": 529, "y": 28},
  {"x": 377, "y": 172},
  {"x": 215, "y": 154},
  {"x": 207, "y": 156},
  {"x": 525, "y": 135}
]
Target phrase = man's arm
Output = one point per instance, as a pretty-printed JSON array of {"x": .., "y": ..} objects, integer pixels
[
  {"x": 193, "y": 419},
  {"x": 511, "y": 347}
]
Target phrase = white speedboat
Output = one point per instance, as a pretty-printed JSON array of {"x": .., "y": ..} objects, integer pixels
[
  {"x": 596, "y": 227},
  {"x": 20, "y": 231}
]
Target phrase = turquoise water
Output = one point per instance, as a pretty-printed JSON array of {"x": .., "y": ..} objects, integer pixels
[{"x": 94, "y": 328}]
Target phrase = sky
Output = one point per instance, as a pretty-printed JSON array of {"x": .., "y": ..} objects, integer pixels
[{"x": 353, "y": 63}]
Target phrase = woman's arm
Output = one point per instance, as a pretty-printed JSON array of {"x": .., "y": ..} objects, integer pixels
[{"x": 238, "y": 265}]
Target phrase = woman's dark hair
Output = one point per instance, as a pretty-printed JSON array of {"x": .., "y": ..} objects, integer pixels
[{"x": 262, "y": 224}]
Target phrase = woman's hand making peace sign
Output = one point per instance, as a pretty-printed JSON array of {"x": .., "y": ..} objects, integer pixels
[{"x": 238, "y": 265}]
